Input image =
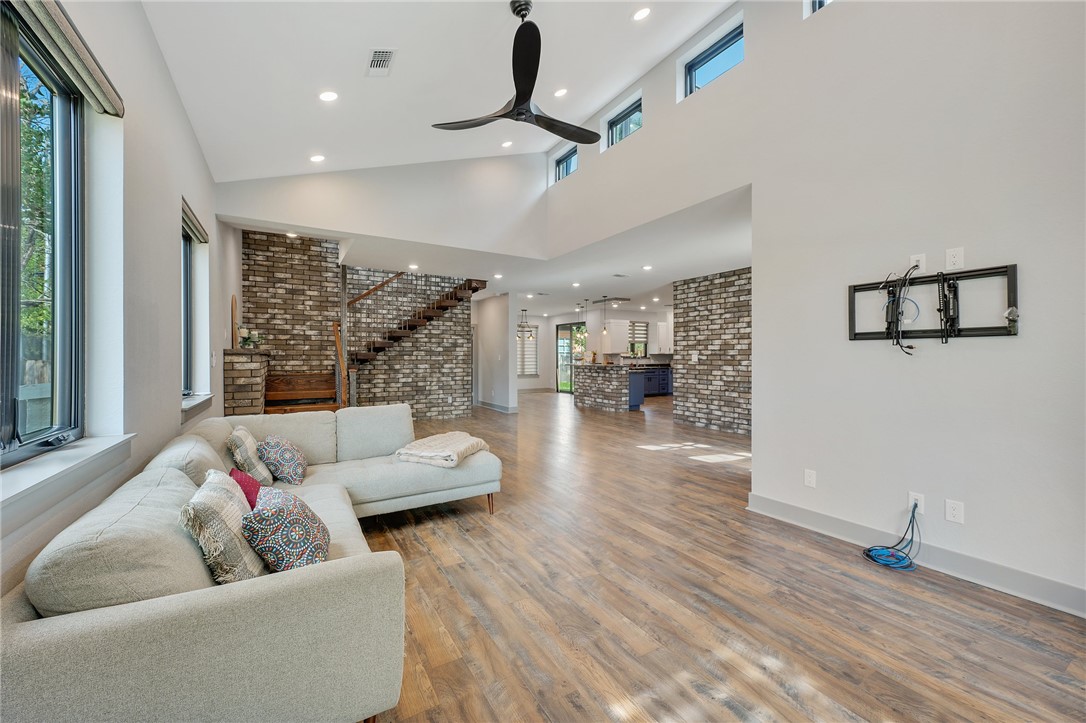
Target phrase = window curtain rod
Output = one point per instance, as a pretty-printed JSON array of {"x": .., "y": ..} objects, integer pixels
[{"x": 48, "y": 21}]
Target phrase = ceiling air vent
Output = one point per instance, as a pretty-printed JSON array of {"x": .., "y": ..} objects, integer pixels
[
  {"x": 380, "y": 63},
  {"x": 621, "y": 276}
]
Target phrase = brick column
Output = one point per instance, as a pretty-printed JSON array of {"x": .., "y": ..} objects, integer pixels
[{"x": 244, "y": 372}]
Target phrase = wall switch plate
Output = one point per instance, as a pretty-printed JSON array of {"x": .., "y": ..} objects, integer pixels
[
  {"x": 955, "y": 259},
  {"x": 920, "y": 260},
  {"x": 919, "y": 500},
  {"x": 955, "y": 511},
  {"x": 810, "y": 478}
]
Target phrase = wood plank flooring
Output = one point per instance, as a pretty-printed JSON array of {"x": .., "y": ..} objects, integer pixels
[{"x": 618, "y": 583}]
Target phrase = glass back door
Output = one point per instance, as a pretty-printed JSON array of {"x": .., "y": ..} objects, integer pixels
[{"x": 569, "y": 347}]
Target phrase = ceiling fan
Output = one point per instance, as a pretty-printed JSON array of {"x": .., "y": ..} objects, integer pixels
[{"x": 526, "y": 50}]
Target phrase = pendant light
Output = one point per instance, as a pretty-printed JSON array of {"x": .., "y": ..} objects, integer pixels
[
  {"x": 523, "y": 327},
  {"x": 604, "y": 332}
]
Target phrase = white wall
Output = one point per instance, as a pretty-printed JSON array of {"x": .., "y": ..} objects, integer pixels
[
  {"x": 140, "y": 168},
  {"x": 495, "y": 322}
]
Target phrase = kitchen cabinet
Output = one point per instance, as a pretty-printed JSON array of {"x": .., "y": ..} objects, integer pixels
[{"x": 664, "y": 338}]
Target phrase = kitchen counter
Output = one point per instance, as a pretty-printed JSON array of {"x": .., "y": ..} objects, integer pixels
[{"x": 605, "y": 386}]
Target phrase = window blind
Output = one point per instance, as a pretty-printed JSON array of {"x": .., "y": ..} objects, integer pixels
[{"x": 528, "y": 353}]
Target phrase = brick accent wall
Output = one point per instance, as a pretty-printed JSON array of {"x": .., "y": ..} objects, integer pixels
[
  {"x": 431, "y": 369},
  {"x": 244, "y": 372},
  {"x": 602, "y": 386},
  {"x": 291, "y": 296},
  {"x": 712, "y": 318}
]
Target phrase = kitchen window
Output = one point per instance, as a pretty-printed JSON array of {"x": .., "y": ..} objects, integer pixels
[
  {"x": 528, "y": 353},
  {"x": 717, "y": 59},
  {"x": 624, "y": 123},
  {"x": 639, "y": 339}
]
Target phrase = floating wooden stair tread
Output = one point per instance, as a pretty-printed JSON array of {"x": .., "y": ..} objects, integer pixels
[
  {"x": 414, "y": 323},
  {"x": 431, "y": 313},
  {"x": 448, "y": 304},
  {"x": 364, "y": 356},
  {"x": 463, "y": 293},
  {"x": 381, "y": 344},
  {"x": 399, "y": 333}
]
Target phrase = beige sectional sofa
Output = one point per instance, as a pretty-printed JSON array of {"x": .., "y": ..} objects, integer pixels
[{"x": 119, "y": 618}]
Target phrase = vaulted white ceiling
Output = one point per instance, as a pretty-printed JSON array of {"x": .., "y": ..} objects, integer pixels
[{"x": 249, "y": 74}]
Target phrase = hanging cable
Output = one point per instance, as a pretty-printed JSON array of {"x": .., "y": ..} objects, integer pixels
[{"x": 900, "y": 555}]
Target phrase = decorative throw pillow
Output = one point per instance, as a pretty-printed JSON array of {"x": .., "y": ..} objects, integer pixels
[
  {"x": 214, "y": 519},
  {"x": 285, "y": 531},
  {"x": 243, "y": 445},
  {"x": 285, "y": 461},
  {"x": 248, "y": 485}
]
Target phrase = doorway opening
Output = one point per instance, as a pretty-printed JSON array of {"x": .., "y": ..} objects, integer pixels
[{"x": 570, "y": 342}]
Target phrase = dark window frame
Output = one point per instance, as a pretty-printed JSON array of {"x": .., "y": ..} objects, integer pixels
[
  {"x": 562, "y": 162},
  {"x": 621, "y": 117},
  {"x": 67, "y": 363},
  {"x": 817, "y": 5},
  {"x": 703, "y": 58}
]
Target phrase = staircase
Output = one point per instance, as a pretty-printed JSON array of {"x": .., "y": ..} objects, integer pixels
[
  {"x": 420, "y": 318},
  {"x": 286, "y": 393}
]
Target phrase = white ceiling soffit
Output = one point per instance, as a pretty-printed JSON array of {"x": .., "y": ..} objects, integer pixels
[
  {"x": 249, "y": 74},
  {"x": 709, "y": 237}
]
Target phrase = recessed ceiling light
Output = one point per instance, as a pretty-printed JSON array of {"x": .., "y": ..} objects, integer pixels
[
  {"x": 614, "y": 306},
  {"x": 530, "y": 296},
  {"x": 497, "y": 276},
  {"x": 546, "y": 315},
  {"x": 642, "y": 14},
  {"x": 317, "y": 158},
  {"x": 328, "y": 96},
  {"x": 560, "y": 92},
  {"x": 507, "y": 144},
  {"x": 291, "y": 235},
  {"x": 576, "y": 284},
  {"x": 647, "y": 268},
  {"x": 656, "y": 298},
  {"x": 412, "y": 266}
]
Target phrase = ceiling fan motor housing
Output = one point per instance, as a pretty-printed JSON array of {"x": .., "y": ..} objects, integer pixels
[{"x": 521, "y": 8}]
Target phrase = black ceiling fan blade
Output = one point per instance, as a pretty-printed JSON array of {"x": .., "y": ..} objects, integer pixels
[
  {"x": 565, "y": 130},
  {"x": 465, "y": 124},
  {"x": 500, "y": 113},
  {"x": 527, "y": 46}
]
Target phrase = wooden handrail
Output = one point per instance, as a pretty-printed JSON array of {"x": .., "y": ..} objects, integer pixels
[
  {"x": 379, "y": 286},
  {"x": 342, "y": 364}
]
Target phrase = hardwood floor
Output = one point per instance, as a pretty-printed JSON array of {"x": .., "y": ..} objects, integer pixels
[{"x": 621, "y": 583}]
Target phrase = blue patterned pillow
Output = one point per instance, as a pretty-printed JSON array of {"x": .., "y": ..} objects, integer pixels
[
  {"x": 285, "y": 461},
  {"x": 285, "y": 531}
]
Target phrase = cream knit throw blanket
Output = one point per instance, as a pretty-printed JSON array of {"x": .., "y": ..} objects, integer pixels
[{"x": 442, "y": 450}]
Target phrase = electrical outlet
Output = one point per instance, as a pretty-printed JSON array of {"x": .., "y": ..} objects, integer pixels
[
  {"x": 919, "y": 500},
  {"x": 955, "y": 259},
  {"x": 955, "y": 511},
  {"x": 920, "y": 260},
  {"x": 810, "y": 478}
]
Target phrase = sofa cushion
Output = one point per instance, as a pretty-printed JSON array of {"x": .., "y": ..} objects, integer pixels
[
  {"x": 285, "y": 531},
  {"x": 286, "y": 462},
  {"x": 243, "y": 446},
  {"x": 333, "y": 506},
  {"x": 373, "y": 431},
  {"x": 214, "y": 519},
  {"x": 382, "y": 478},
  {"x": 190, "y": 453},
  {"x": 216, "y": 430},
  {"x": 314, "y": 433},
  {"x": 129, "y": 548},
  {"x": 248, "y": 485}
]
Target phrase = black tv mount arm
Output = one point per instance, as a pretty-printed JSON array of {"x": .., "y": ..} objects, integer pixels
[{"x": 949, "y": 291}]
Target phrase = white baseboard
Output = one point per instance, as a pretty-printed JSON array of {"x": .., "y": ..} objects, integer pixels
[
  {"x": 499, "y": 407},
  {"x": 1051, "y": 593}
]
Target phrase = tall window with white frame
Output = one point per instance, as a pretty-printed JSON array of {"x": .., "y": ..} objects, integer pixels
[
  {"x": 624, "y": 123},
  {"x": 565, "y": 164},
  {"x": 715, "y": 61},
  {"x": 528, "y": 351},
  {"x": 41, "y": 350}
]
